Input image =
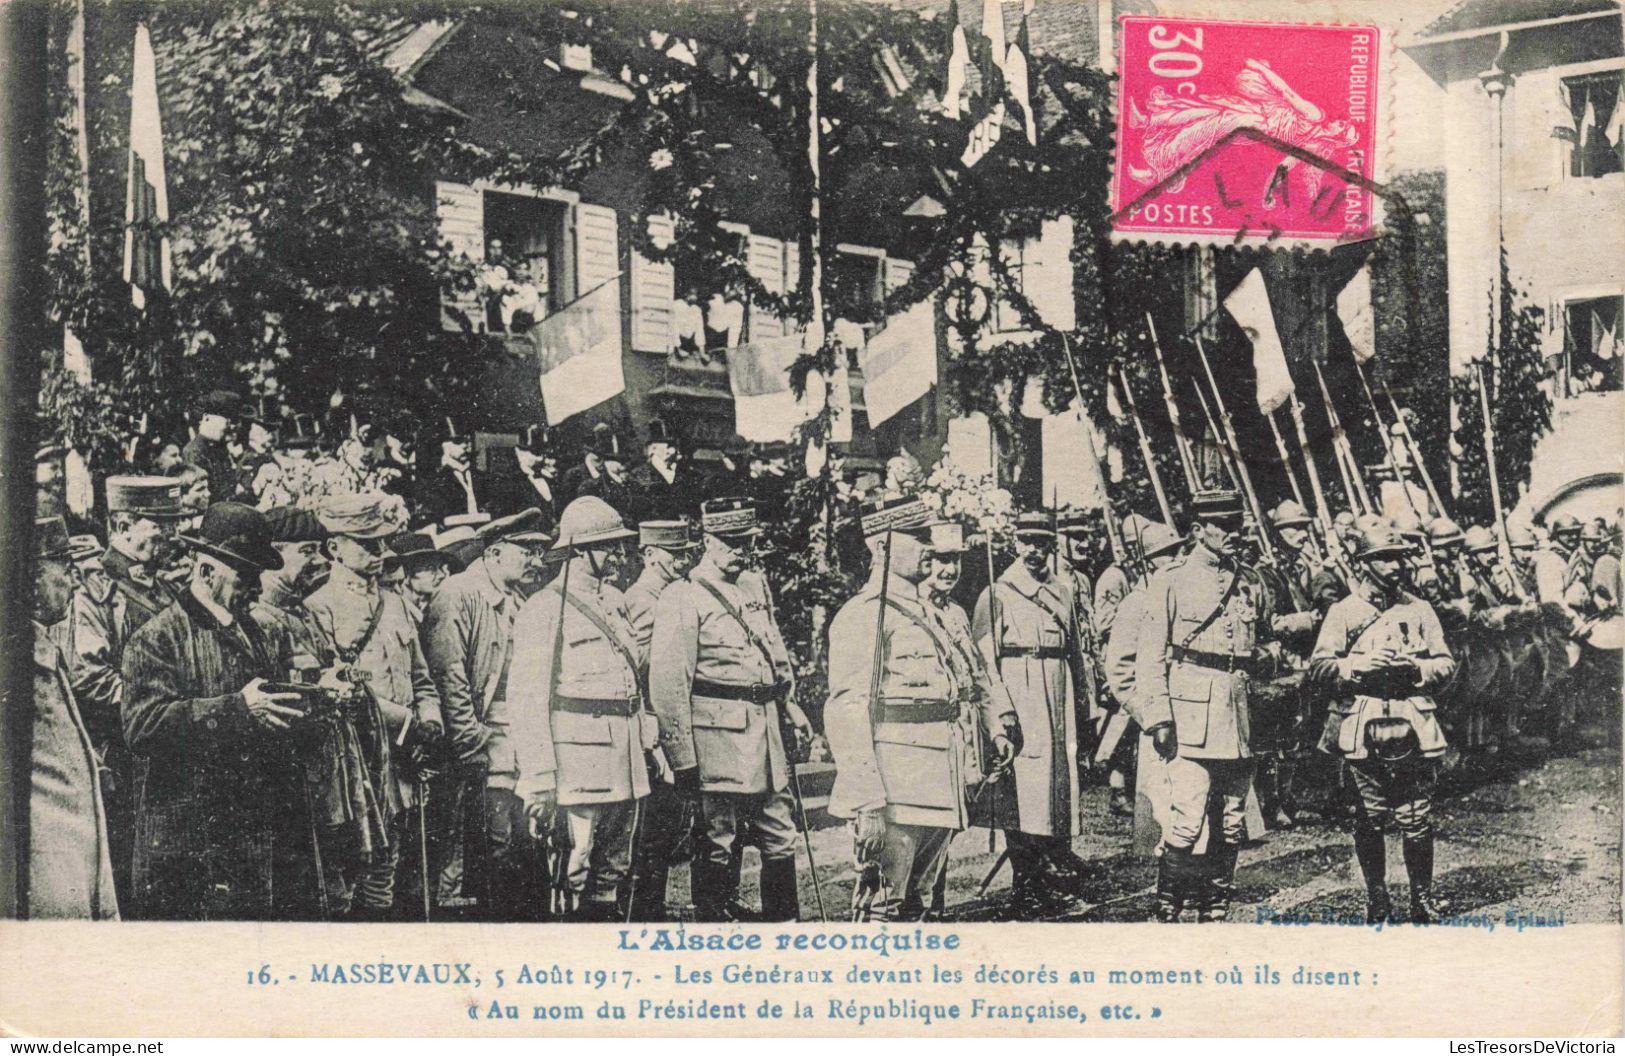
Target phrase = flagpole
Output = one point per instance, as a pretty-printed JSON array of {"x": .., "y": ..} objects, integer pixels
[
  {"x": 1489, "y": 455},
  {"x": 1235, "y": 447},
  {"x": 1286, "y": 459},
  {"x": 1145, "y": 449},
  {"x": 1353, "y": 483},
  {"x": 1322, "y": 511},
  {"x": 1186, "y": 463}
]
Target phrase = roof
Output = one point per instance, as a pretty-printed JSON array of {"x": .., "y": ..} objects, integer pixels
[{"x": 1471, "y": 15}]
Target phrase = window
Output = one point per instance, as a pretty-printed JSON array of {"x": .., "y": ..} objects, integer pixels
[
  {"x": 858, "y": 286},
  {"x": 528, "y": 268},
  {"x": 1591, "y": 346},
  {"x": 1596, "y": 139}
]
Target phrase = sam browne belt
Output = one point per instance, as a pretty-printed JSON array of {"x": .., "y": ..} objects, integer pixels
[
  {"x": 1216, "y": 661},
  {"x": 766, "y": 693},
  {"x": 596, "y": 706}
]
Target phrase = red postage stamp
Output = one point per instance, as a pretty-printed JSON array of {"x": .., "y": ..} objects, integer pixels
[{"x": 1246, "y": 132}]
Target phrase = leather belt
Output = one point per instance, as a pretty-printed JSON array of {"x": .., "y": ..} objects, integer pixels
[
  {"x": 596, "y": 706},
  {"x": 1216, "y": 661},
  {"x": 920, "y": 711},
  {"x": 761, "y": 694},
  {"x": 1037, "y": 652}
]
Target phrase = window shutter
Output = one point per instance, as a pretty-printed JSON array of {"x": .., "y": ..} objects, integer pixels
[
  {"x": 898, "y": 272},
  {"x": 792, "y": 276},
  {"x": 460, "y": 212},
  {"x": 598, "y": 254},
  {"x": 764, "y": 257},
  {"x": 654, "y": 293}
]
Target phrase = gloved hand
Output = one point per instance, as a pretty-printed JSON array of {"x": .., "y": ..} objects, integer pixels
[
  {"x": 539, "y": 810},
  {"x": 1004, "y": 751},
  {"x": 1012, "y": 733},
  {"x": 868, "y": 833},
  {"x": 1163, "y": 739}
]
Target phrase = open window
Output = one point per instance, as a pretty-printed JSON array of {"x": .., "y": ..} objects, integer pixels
[
  {"x": 1596, "y": 140},
  {"x": 1592, "y": 360},
  {"x": 529, "y": 272}
]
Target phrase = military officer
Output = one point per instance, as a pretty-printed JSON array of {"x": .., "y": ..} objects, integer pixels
[
  {"x": 719, "y": 675},
  {"x": 1194, "y": 664},
  {"x": 577, "y": 691},
  {"x": 669, "y": 549},
  {"x": 1026, "y": 625},
  {"x": 1382, "y": 651},
  {"x": 902, "y": 761},
  {"x": 141, "y": 511}
]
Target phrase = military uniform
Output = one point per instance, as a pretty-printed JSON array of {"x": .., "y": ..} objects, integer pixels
[
  {"x": 1560, "y": 578},
  {"x": 1384, "y": 723},
  {"x": 583, "y": 726},
  {"x": 1110, "y": 590},
  {"x": 913, "y": 753},
  {"x": 1194, "y": 664},
  {"x": 718, "y": 674}
]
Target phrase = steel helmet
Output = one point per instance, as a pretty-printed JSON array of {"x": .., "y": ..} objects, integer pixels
[
  {"x": 1444, "y": 532},
  {"x": 590, "y": 521},
  {"x": 1344, "y": 519},
  {"x": 1478, "y": 539},
  {"x": 1367, "y": 521},
  {"x": 1380, "y": 541},
  {"x": 1520, "y": 536},
  {"x": 1289, "y": 515},
  {"x": 1408, "y": 524},
  {"x": 1567, "y": 524},
  {"x": 1596, "y": 528},
  {"x": 1158, "y": 539}
]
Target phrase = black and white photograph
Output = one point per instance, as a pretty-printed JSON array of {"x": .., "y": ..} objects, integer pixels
[{"x": 692, "y": 466}]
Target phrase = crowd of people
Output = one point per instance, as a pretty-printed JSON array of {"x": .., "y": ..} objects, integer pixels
[{"x": 280, "y": 682}]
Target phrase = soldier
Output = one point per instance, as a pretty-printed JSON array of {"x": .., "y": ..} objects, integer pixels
[
  {"x": 423, "y": 568},
  {"x": 1194, "y": 665},
  {"x": 141, "y": 511},
  {"x": 719, "y": 675},
  {"x": 1110, "y": 590},
  {"x": 1027, "y": 626},
  {"x": 398, "y": 709},
  {"x": 223, "y": 824},
  {"x": 577, "y": 695},
  {"x": 1162, "y": 545},
  {"x": 70, "y": 858},
  {"x": 1559, "y": 569},
  {"x": 669, "y": 551},
  {"x": 900, "y": 672},
  {"x": 467, "y": 640},
  {"x": 1605, "y": 573},
  {"x": 1524, "y": 546},
  {"x": 1485, "y": 581},
  {"x": 1382, "y": 651}
]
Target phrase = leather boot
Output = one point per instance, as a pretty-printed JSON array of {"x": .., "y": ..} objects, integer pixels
[
  {"x": 712, "y": 892},
  {"x": 1216, "y": 882},
  {"x": 1419, "y": 869},
  {"x": 649, "y": 904},
  {"x": 1057, "y": 859},
  {"x": 780, "y": 901},
  {"x": 1026, "y": 899},
  {"x": 1173, "y": 873},
  {"x": 1370, "y": 848}
]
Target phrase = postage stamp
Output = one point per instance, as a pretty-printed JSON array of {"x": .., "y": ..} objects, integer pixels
[{"x": 1246, "y": 132}]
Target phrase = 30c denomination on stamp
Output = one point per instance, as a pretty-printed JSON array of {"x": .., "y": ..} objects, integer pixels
[{"x": 1246, "y": 132}]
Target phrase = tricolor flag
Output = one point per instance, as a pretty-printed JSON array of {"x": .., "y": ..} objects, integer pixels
[
  {"x": 958, "y": 63},
  {"x": 1354, "y": 308},
  {"x": 1016, "y": 75},
  {"x": 987, "y": 106},
  {"x": 146, "y": 209},
  {"x": 1588, "y": 124},
  {"x": 578, "y": 349},
  {"x": 1249, "y": 305},
  {"x": 766, "y": 408},
  {"x": 900, "y": 362}
]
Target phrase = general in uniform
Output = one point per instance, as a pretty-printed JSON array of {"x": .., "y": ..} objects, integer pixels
[
  {"x": 1194, "y": 666},
  {"x": 1027, "y": 627},
  {"x": 904, "y": 760},
  {"x": 582, "y": 727},
  {"x": 1382, "y": 652},
  {"x": 721, "y": 681}
]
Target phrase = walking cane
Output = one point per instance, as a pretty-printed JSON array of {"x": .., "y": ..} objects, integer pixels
[
  {"x": 423, "y": 843},
  {"x": 795, "y": 781}
]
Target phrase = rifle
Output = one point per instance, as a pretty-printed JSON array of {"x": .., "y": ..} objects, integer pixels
[
  {"x": 1145, "y": 449},
  {"x": 1353, "y": 482},
  {"x": 1410, "y": 442},
  {"x": 1387, "y": 441},
  {"x": 1251, "y": 496},
  {"x": 1505, "y": 549},
  {"x": 1186, "y": 462}
]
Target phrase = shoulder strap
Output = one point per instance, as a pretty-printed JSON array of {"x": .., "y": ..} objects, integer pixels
[
  {"x": 937, "y": 644},
  {"x": 1207, "y": 621},
  {"x": 739, "y": 618},
  {"x": 598, "y": 621},
  {"x": 375, "y": 617}
]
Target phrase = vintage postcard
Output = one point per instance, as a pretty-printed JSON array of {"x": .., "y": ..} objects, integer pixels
[{"x": 1082, "y": 518}]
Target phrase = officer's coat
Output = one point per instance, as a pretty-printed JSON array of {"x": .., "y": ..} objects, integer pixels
[
  {"x": 587, "y": 758},
  {"x": 736, "y": 744},
  {"x": 1207, "y": 706},
  {"x": 1033, "y": 615},
  {"x": 917, "y": 771}
]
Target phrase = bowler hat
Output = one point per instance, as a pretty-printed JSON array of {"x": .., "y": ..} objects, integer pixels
[
  {"x": 223, "y": 403},
  {"x": 415, "y": 550},
  {"x": 237, "y": 534},
  {"x": 293, "y": 524}
]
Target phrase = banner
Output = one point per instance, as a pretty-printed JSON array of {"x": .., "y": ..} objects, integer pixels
[
  {"x": 900, "y": 362},
  {"x": 1354, "y": 309},
  {"x": 146, "y": 205},
  {"x": 1249, "y": 305},
  {"x": 1071, "y": 468},
  {"x": 578, "y": 349},
  {"x": 766, "y": 409}
]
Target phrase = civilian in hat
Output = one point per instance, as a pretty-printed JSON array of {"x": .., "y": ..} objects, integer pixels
[
  {"x": 669, "y": 550},
  {"x": 660, "y": 490},
  {"x": 1027, "y": 624},
  {"x": 1195, "y": 660},
  {"x": 218, "y": 414},
  {"x": 906, "y": 761},
  {"x": 467, "y": 640},
  {"x": 462, "y": 543},
  {"x": 223, "y": 827},
  {"x": 376, "y": 636},
  {"x": 1382, "y": 651},
  {"x": 719, "y": 675},
  {"x": 526, "y": 476},
  {"x": 422, "y": 568},
  {"x": 591, "y": 467},
  {"x": 613, "y": 483},
  {"x": 453, "y": 486},
  {"x": 259, "y": 452},
  {"x": 70, "y": 860},
  {"x": 584, "y": 727}
]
